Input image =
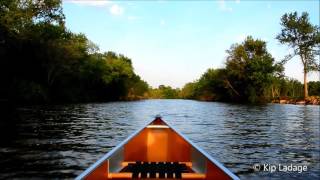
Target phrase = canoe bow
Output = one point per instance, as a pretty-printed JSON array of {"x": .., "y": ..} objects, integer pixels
[{"x": 157, "y": 150}]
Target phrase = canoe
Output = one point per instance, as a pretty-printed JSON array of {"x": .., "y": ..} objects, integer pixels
[{"x": 157, "y": 151}]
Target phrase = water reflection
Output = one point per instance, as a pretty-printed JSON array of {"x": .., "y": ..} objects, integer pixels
[{"x": 62, "y": 141}]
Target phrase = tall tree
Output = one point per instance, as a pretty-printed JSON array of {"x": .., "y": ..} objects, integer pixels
[
  {"x": 250, "y": 69},
  {"x": 304, "y": 39}
]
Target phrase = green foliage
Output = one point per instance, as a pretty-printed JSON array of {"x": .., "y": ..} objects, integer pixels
[
  {"x": 304, "y": 39},
  {"x": 251, "y": 74},
  {"x": 250, "y": 69},
  {"x": 211, "y": 85},
  {"x": 314, "y": 88},
  {"x": 247, "y": 77},
  {"x": 286, "y": 88},
  {"x": 189, "y": 91},
  {"x": 164, "y": 92},
  {"x": 41, "y": 61},
  {"x": 139, "y": 88}
]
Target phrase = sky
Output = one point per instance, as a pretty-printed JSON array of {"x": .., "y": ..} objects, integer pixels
[{"x": 175, "y": 42}]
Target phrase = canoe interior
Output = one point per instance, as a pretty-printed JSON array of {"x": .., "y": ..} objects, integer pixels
[{"x": 157, "y": 152}]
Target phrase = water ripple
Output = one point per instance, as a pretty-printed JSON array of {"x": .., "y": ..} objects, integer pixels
[{"x": 61, "y": 141}]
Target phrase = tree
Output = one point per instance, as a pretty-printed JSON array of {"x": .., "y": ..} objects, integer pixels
[
  {"x": 168, "y": 92},
  {"x": 304, "y": 39},
  {"x": 189, "y": 91},
  {"x": 213, "y": 85},
  {"x": 248, "y": 76},
  {"x": 41, "y": 61},
  {"x": 164, "y": 92},
  {"x": 250, "y": 69},
  {"x": 314, "y": 88},
  {"x": 27, "y": 29}
]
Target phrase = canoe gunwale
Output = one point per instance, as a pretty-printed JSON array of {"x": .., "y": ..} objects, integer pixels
[
  {"x": 210, "y": 158},
  {"x": 119, "y": 146}
]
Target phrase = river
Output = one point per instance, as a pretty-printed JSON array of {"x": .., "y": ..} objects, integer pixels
[{"x": 60, "y": 141}]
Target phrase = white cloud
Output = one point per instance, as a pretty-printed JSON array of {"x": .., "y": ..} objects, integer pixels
[
  {"x": 223, "y": 6},
  {"x": 162, "y": 22},
  {"x": 97, "y": 3},
  {"x": 116, "y": 10},
  {"x": 237, "y": 1}
]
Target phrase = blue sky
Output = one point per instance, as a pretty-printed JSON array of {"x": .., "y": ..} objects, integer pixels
[{"x": 174, "y": 42}]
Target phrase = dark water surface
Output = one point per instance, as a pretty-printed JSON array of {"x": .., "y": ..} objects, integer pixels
[{"x": 59, "y": 142}]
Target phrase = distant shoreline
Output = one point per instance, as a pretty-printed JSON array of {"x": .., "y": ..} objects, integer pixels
[{"x": 312, "y": 100}]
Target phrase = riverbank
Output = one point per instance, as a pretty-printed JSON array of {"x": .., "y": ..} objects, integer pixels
[{"x": 312, "y": 100}]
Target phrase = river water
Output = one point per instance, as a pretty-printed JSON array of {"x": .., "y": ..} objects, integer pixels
[{"x": 60, "y": 141}]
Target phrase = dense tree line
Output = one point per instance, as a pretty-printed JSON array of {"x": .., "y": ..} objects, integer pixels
[
  {"x": 248, "y": 73},
  {"x": 251, "y": 73},
  {"x": 42, "y": 61},
  {"x": 163, "y": 92},
  {"x": 280, "y": 88}
]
